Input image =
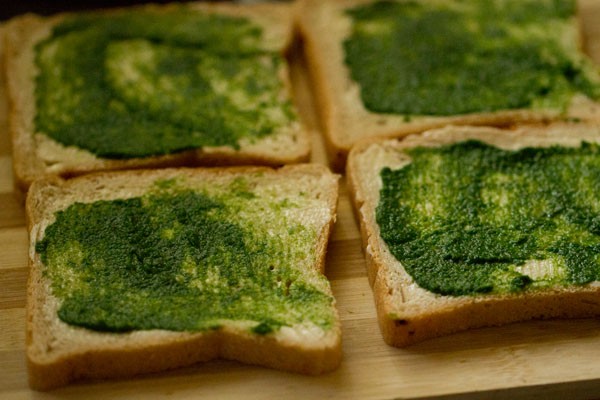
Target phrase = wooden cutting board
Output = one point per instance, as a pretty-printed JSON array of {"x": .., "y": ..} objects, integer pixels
[{"x": 544, "y": 359}]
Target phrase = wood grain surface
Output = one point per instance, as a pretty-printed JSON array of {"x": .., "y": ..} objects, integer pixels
[{"x": 543, "y": 359}]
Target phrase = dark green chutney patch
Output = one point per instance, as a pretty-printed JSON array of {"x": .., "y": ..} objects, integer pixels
[
  {"x": 181, "y": 260},
  {"x": 470, "y": 218},
  {"x": 457, "y": 57},
  {"x": 142, "y": 83}
]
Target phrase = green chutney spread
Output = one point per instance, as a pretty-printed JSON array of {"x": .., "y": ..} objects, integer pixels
[
  {"x": 457, "y": 57},
  {"x": 143, "y": 83},
  {"x": 471, "y": 218},
  {"x": 186, "y": 260}
]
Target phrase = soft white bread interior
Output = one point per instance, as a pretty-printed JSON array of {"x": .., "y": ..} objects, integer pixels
[
  {"x": 408, "y": 313},
  {"x": 58, "y": 353},
  {"x": 324, "y": 27},
  {"x": 36, "y": 155}
]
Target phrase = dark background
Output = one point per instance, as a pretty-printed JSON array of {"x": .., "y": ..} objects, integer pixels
[{"x": 10, "y": 8}]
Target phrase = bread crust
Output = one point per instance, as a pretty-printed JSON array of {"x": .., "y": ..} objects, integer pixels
[
  {"x": 346, "y": 121},
  {"x": 407, "y": 313},
  {"x": 36, "y": 155},
  {"x": 58, "y": 353}
]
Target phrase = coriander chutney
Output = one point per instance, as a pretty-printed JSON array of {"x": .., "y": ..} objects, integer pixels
[
  {"x": 470, "y": 218},
  {"x": 457, "y": 57},
  {"x": 142, "y": 83},
  {"x": 185, "y": 260}
]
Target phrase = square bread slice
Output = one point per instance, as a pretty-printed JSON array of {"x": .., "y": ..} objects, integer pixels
[
  {"x": 391, "y": 68},
  {"x": 147, "y": 270},
  {"x": 467, "y": 227},
  {"x": 152, "y": 86}
]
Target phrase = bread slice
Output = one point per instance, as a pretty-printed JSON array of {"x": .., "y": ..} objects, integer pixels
[
  {"x": 291, "y": 209},
  {"x": 36, "y": 154},
  {"x": 326, "y": 25},
  {"x": 408, "y": 312}
]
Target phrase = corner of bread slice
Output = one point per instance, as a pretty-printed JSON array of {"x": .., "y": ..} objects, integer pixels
[
  {"x": 289, "y": 144},
  {"x": 60, "y": 352},
  {"x": 408, "y": 313}
]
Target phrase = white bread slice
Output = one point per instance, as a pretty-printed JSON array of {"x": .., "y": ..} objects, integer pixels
[
  {"x": 58, "y": 353},
  {"x": 408, "y": 313},
  {"x": 324, "y": 27},
  {"x": 36, "y": 155}
]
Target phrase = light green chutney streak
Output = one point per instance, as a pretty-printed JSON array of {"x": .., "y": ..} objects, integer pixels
[
  {"x": 142, "y": 84},
  {"x": 185, "y": 260},
  {"x": 441, "y": 57},
  {"x": 470, "y": 218}
]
